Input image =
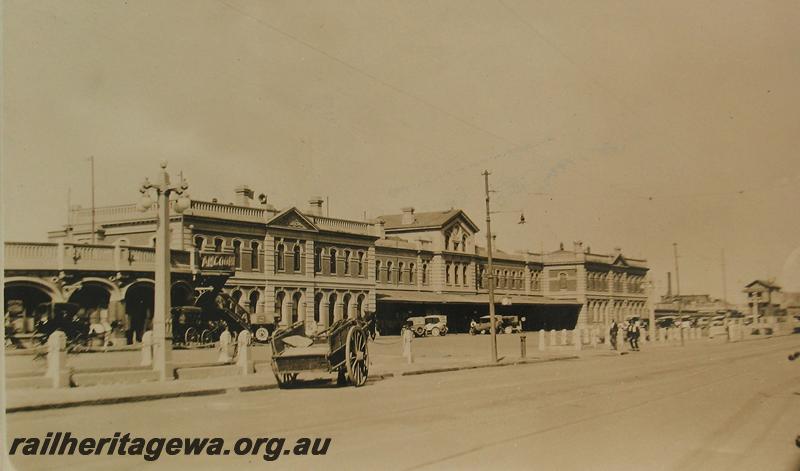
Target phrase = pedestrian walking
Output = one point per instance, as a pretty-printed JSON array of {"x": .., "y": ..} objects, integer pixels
[
  {"x": 407, "y": 335},
  {"x": 635, "y": 334},
  {"x": 612, "y": 334}
]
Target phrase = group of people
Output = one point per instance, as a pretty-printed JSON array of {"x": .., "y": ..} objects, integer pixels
[{"x": 631, "y": 328}]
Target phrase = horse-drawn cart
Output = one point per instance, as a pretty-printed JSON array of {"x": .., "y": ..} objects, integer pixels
[{"x": 341, "y": 348}]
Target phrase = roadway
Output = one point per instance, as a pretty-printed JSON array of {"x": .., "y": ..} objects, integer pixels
[{"x": 703, "y": 407}]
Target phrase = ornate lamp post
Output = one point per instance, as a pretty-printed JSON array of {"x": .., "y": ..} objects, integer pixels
[{"x": 162, "y": 345}]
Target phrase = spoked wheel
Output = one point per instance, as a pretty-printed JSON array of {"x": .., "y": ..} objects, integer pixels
[
  {"x": 205, "y": 336},
  {"x": 190, "y": 336},
  {"x": 356, "y": 356}
]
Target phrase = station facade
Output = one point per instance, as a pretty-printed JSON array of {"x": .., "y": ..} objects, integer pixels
[{"x": 290, "y": 265}]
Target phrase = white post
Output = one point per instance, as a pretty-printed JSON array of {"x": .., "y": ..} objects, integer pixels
[
  {"x": 147, "y": 348},
  {"x": 563, "y": 336},
  {"x": 57, "y": 358},
  {"x": 553, "y": 340},
  {"x": 577, "y": 336},
  {"x": 542, "y": 341},
  {"x": 224, "y": 344},
  {"x": 243, "y": 359}
]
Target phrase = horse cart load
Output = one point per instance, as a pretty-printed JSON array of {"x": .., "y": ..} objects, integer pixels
[{"x": 341, "y": 348}]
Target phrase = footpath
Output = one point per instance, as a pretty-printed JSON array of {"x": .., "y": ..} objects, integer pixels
[{"x": 431, "y": 355}]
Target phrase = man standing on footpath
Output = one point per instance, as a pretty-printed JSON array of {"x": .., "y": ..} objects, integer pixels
[{"x": 612, "y": 332}]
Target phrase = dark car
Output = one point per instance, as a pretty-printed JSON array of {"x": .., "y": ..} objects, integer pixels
[{"x": 484, "y": 325}]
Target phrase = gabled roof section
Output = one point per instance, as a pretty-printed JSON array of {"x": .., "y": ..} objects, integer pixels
[
  {"x": 293, "y": 219},
  {"x": 620, "y": 261},
  {"x": 766, "y": 284},
  {"x": 426, "y": 220}
]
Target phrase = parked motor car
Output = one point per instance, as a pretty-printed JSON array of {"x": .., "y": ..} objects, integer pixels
[
  {"x": 666, "y": 321},
  {"x": 512, "y": 324},
  {"x": 484, "y": 325},
  {"x": 436, "y": 325},
  {"x": 417, "y": 325}
]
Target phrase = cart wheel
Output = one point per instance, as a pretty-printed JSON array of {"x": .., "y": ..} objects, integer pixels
[
  {"x": 190, "y": 336},
  {"x": 356, "y": 356},
  {"x": 435, "y": 331},
  {"x": 262, "y": 334},
  {"x": 205, "y": 336},
  {"x": 420, "y": 331}
]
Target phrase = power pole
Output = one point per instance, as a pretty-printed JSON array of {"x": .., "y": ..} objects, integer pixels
[
  {"x": 490, "y": 269},
  {"x": 94, "y": 234},
  {"x": 724, "y": 282},
  {"x": 678, "y": 289}
]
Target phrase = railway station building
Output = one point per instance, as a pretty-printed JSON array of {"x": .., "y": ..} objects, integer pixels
[{"x": 297, "y": 264}]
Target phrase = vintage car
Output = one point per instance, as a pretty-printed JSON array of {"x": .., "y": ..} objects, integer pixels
[
  {"x": 484, "y": 325},
  {"x": 436, "y": 325},
  {"x": 417, "y": 325},
  {"x": 512, "y": 324}
]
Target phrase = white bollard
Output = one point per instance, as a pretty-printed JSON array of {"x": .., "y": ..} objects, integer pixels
[
  {"x": 408, "y": 336},
  {"x": 57, "y": 359},
  {"x": 542, "y": 341},
  {"x": 147, "y": 348},
  {"x": 243, "y": 358},
  {"x": 224, "y": 345},
  {"x": 563, "y": 336},
  {"x": 553, "y": 340}
]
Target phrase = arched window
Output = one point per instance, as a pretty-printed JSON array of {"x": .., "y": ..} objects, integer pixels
[
  {"x": 218, "y": 243},
  {"x": 464, "y": 243},
  {"x": 447, "y": 273},
  {"x": 280, "y": 258},
  {"x": 455, "y": 274},
  {"x": 332, "y": 309},
  {"x": 279, "y": 305},
  {"x": 254, "y": 255},
  {"x": 237, "y": 253},
  {"x": 346, "y": 262},
  {"x": 464, "y": 275},
  {"x": 333, "y": 262},
  {"x": 481, "y": 277},
  {"x": 254, "y": 295},
  {"x": 296, "y": 258},
  {"x": 447, "y": 241},
  {"x": 199, "y": 242},
  {"x": 360, "y": 263},
  {"x": 236, "y": 296},
  {"x": 389, "y": 278},
  {"x": 424, "y": 273},
  {"x": 153, "y": 241},
  {"x": 562, "y": 281},
  {"x": 506, "y": 280},
  {"x": 318, "y": 259},
  {"x": 317, "y": 307},
  {"x": 412, "y": 273},
  {"x": 378, "y": 270}
]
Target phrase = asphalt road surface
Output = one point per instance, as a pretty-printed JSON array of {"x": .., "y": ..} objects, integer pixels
[{"x": 701, "y": 407}]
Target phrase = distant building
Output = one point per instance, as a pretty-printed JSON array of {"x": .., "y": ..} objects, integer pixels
[
  {"x": 763, "y": 298},
  {"x": 693, "y": 305}
]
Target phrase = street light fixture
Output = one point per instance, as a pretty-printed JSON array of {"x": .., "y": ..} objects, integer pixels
[{"x": 163, "y": 189}]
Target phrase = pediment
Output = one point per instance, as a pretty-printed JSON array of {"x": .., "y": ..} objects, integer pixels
[
  {"x": 620, "y": 262},
  {"x": 292, "y": 219}
]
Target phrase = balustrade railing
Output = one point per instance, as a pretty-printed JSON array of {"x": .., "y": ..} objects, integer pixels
[{"x": 53, "y": 256}]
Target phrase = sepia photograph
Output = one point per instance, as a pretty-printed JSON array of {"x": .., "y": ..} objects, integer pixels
[{"x": 400, "y": 235}]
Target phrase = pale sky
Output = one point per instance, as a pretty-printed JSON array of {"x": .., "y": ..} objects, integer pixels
[{"x": 618, "y": 123}]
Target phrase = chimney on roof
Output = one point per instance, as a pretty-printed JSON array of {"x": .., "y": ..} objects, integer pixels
[
  {"x": 243, "y": 195},
  {"x": 315, "y": 205},
  {"x": 408, "y": 215},
  {"x": 577, "y": 246}
]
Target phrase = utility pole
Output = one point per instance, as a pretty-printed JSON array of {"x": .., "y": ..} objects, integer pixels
[
  {"x": 678, "y": 289},
  {"x": 490, "y": 269},
  {"x": 94, "y": 234},
  {"x": 724, "y": 282}
]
